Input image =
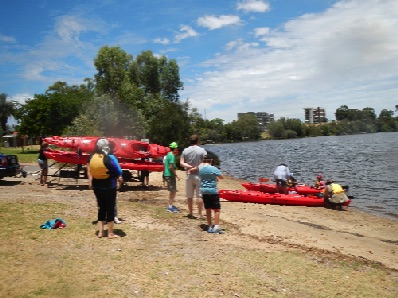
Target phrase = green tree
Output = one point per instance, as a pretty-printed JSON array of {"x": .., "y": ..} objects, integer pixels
[
  {"x": 342, "y": 113},
  {"x": 50, "y": 113},
  {"x": 7, "y": 109},
  {"x": 112, "y": 64},
  {"x": 249, "y": 127}
]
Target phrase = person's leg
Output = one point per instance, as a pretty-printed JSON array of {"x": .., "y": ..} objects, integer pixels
[
  {"x": 208, "y": 217},
  {"x": 110, "y": 211},
  {"x": 101, "y": 215},
  {"x": 199, "y": 201},
  {"x": 101, "y": 226},
  {"x": 217, "y": 217}
]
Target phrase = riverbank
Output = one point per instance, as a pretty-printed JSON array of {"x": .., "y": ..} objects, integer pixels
[{"x": 266, "y": 250}]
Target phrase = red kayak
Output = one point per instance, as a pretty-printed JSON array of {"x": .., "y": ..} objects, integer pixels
[
  {"x": 126, "y": 164},
  {"x": 271, "y": 188},
  {"x": 132, "y": 149},
  {"x": 67, "y": 156},
  {"x": 272, "y": 199}
]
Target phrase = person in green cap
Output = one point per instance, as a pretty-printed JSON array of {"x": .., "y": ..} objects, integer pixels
[{"x": 170, "y": 174}]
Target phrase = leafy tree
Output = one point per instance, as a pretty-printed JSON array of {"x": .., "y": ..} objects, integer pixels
[
  {"x": 249, "y": 127},
  {"x": 50, "y": 113},
  {"x": 386, "y": 122},
  {"x": 342, "y": 113},
  {"x": 7, "y": 109},
  {"x": 112, "y": 64}
]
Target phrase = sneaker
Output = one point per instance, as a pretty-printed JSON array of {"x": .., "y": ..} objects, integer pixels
[
  {"x": 173, "y": 209},
  {"x": 215, "y": 231},
  {"x": 117, "y": 221}
]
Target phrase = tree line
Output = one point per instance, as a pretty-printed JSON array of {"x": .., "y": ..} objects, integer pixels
[{"x": 138, "y": 98}]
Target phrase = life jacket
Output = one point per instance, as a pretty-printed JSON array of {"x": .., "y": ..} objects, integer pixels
[
  {"x": 97, "y": 166},
  {"x": 336, "y": 188}
]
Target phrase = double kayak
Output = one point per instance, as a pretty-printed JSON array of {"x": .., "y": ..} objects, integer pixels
[
  {"x": 252, "y": 196},
  {"x": 271, "y": 189},
  {"x": 132, "y": 149}
]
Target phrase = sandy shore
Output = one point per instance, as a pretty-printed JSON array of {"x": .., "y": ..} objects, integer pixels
[{"x": 351, "y": 233}]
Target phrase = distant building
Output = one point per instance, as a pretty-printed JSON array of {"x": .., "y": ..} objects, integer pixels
[
  {"x": 263, "y": 118},
  {"x": 316, "y": 115}
]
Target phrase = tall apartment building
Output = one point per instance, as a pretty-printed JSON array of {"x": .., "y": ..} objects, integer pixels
[
  {"x": 263, "y": 118},
  {"x": 314, "y": 115}
]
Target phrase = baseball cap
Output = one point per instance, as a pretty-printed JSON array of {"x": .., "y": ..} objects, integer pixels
[{"x": 173, "y": 145}]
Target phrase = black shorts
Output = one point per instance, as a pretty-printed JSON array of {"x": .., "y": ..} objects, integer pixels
[
  {"x": 281, "y": 182},
  {"x": 211, "y": 201}
]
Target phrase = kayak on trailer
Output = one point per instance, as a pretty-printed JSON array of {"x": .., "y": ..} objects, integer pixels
[
  {"x": 82, "y": 158},
  {"x": 271, "y": 188},
  {"x": 273, "y": 199},
  {"x": 122, "y": 148}
]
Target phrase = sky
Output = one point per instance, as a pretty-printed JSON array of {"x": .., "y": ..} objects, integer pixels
[{"x": 235, "y": 56}]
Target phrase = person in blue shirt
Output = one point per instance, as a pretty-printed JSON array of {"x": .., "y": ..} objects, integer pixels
[{"x": 209, "y": 176}]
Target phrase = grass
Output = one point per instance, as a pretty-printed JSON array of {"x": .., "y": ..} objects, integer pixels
[
  {"x": 26, "y": 154},
  {"x": 162, "y": 255}
]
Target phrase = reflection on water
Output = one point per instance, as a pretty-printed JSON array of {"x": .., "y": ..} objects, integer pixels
[{"x": 368, "y": 163}]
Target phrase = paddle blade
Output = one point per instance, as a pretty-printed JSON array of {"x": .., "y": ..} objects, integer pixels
[{"x": 263, "y": 179}]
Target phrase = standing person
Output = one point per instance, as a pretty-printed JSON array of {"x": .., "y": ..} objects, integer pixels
[
  {"x": 334, "y": 195},
  {"x": 281, "y": 174},
  {"x": 103, "y": 173},
  {"x": 209, "y": 176},
  {"x": 191, "y": 158},
  {"x": 43, "y": 164},
  {"x": 170, "y": 174}
]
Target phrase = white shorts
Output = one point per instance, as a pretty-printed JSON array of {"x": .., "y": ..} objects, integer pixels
[{"x": 192, "y": 184}]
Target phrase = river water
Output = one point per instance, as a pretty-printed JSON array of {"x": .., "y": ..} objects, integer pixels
[{"x": 367, "y": 163}]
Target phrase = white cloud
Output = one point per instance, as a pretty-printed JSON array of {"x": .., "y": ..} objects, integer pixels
[
  {"x": 261, "y": 31},
  {"x": 346, "y": 55},
  {"x": 7, "y": 39},
  {"x": 161, "y": 40},
  {"x": 185, "y": 32},
  {"x": 253, "y": 6},
  {"x": 214, "y": 22}
]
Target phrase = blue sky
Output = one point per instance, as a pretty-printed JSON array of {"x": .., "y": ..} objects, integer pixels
[{"x": 275, "y": 56}]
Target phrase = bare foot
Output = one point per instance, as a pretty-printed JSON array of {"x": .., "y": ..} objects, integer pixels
[
  {"x": 113, "y": 236},
  {"x": 99, "y": 235}
]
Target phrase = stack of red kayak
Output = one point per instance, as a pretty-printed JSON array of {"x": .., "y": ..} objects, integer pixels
[{"x": 132, "y": 154}]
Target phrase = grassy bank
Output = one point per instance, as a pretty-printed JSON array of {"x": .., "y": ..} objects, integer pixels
[{"x": 26, "y": 154}]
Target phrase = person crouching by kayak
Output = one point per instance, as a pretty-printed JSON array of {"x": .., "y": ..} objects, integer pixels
[
  {"x": 334, "y": 195},
  {"x": 281, "y": 174}
]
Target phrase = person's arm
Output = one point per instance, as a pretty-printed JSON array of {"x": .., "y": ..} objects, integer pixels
[
  {"x": 90, "y": 177},
  {"x": 173, "y": 170},
  {"x": 183, "y": 163}
]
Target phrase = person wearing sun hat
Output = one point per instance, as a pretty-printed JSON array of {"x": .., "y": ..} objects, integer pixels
[{"x": 171, "y": 177}]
